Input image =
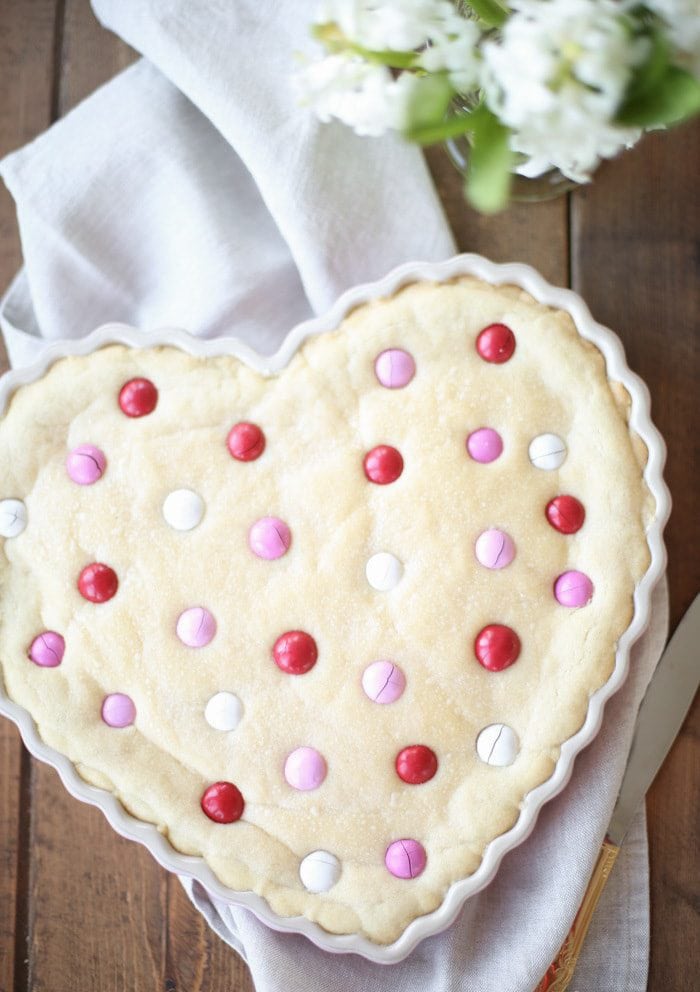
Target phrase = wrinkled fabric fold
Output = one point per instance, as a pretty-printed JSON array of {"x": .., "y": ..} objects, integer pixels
[{"x": 190, "y": 191}]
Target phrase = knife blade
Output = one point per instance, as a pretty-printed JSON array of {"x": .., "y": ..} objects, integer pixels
[
  {"x": 666, "y": 702},
  {"x": 661, "y": 715}
]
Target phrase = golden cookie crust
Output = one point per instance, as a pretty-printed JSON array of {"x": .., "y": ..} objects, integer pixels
[{"x": 320, "y": 416}]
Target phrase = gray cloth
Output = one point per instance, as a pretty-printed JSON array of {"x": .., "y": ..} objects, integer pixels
[{"x": 191, "y": 191}]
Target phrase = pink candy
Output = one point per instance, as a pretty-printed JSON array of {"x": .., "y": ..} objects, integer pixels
[
  {"x": 269, "y": 538},
  {"x": 405, "y": 858},
  {"x": 118, "y": 710},
  {"x": 484, "y": 445},
  {"x": 383, "y": 682},
  {"x": 394, "y": 368},
  {"x": 47, "y": 649},
  {"x": 573, "y": 589},
  {"x": 86, "y": 464},
  {"x": 196, "y": 627},
  {"x": 305, "y": 769},
  {"x": 494, "y": 549}
]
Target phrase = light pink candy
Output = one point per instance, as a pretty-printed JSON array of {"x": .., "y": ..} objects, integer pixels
[
  {"x": 269, "y": 538},
  {"x": 118, "y": 710},
  {"x": 484, "y": 445},
  {"x": 573, "y": 589},
  {"x": 394, "y": 368},
  {"x": 305, "y": 769},
  {"x": 494, "y": 549},
  {"x": 47, "y": 649},
  {"x": 86, "y": 464},
  {"x": 196, "y": 627},
  {"x": 405, "y": 858},
  {"x": 383, "y": 681}
]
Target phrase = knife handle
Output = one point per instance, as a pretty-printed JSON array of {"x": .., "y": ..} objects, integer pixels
[{"x": 561, "y": 970}]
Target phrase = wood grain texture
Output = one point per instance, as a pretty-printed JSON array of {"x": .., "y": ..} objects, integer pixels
[
  {"x": 197, "y": 960},
  {"x": 98, "y": 911},
  {"x": 89, "y": 55},
  {"x": 636, "y": 260},
  {"x": 535, "y": 233},
  {"x": 27, "y": 32},
  {"x": 97, "y": 915}
]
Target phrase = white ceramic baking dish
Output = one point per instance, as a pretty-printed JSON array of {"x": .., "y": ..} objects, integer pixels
[{"x": 640, "y": 423}]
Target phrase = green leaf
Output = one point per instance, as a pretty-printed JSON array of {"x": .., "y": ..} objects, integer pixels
[
  {"x": 491, "y": 12},
  {"x": 431, "y": 134},
  {"x": 647, "y": 76},
  {"x": 675, "y": 97},
  {"x": 491, "y": 162},
  {"x": 395, "y": 60},
  {"x": 428, "y": 104}
]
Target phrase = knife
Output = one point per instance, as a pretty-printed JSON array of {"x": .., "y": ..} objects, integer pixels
[{"x": 661, "y": 714}]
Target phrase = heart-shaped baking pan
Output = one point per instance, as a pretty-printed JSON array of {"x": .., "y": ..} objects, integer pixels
[{"x": 325, "y": 630}]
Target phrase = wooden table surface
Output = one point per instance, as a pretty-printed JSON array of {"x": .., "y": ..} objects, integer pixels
[{"x": 80, "y": 908}]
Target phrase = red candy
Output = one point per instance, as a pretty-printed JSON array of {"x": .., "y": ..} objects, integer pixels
[
  {"x": 496, "y": 647},
  {"x": 138, "y": 397},
  {"x": 565, "y": 514},
  {"x": 383, "y": 464},
  {"x": 246, "y": 442},
  {"x": 295, "y": 652},
  {"x": 223, "y": 802},
  {"x": 416, "y": 764},
  {"x": 97, "y": 582},
  {"x": 496, "y": 343}
]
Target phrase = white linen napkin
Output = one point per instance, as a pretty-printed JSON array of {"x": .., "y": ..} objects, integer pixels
[{"x": 191, "y": 191}]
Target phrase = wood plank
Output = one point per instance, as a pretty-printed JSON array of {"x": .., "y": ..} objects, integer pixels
[
  {"x": 634, "y": 259},
  {"x": 98, "y": 902},
  {"x": 536, "y": 233},
  {"x": 26, "y": 81},
  {"x": 197, "y": 960},
  {"x": 89, "y": 55}
]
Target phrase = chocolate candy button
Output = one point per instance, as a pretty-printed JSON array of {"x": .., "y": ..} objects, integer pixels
[
  {"x": 138, "y": 397},
  {"x": 295, "y": 652},
  {"x": 269, "y": 538},
  {"x": 405, "y": 858},
  {"x": 496, "y": 343},
  {"x": 573, "y": 589},
  {"x": 566, "y": 514},
  {"x": 223, "y": 802},
  {"x": 494, "y": 549},
  {"x": 47, "y": 649},
  {"x": 98, "y": 582},
  {"x": 394, "y": 368},
  {"x": 118, "y": 710},
  {"x": 86, "y": 464},
  {"x": 416, "y": 764},
  {"x": 496, "y": 647},
  {"x": 196, "y": 627},
  {"x": 383, "y": 464},
  {"x": 245, "y": 442},
  {"x": 305, "y": 769}
]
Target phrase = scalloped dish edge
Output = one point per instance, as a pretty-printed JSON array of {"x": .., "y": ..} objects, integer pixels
[{"x": 640, "y": 424}]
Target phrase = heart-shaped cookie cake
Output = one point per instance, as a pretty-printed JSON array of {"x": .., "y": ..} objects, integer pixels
[{"x": 326, "y": 628}]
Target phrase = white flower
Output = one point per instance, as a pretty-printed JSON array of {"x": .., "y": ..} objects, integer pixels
[
  {"x": 364, "y": 96},
  {"x": 557, "y": 78},
  {"x": 683, "y": 20},
  {"x": 445, "y": 39}
]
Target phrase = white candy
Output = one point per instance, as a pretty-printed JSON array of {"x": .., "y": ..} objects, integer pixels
[
  {"x": 13, "y": 517},
  {"x": 224, "y": 711},
  {"x": 183, "y": 509},
  {"x": 498, "y": 745},
  {"x": 547, "y": 451},
  {"x": 383, "y": 571},
  {"x": 319, "y": 871}
]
